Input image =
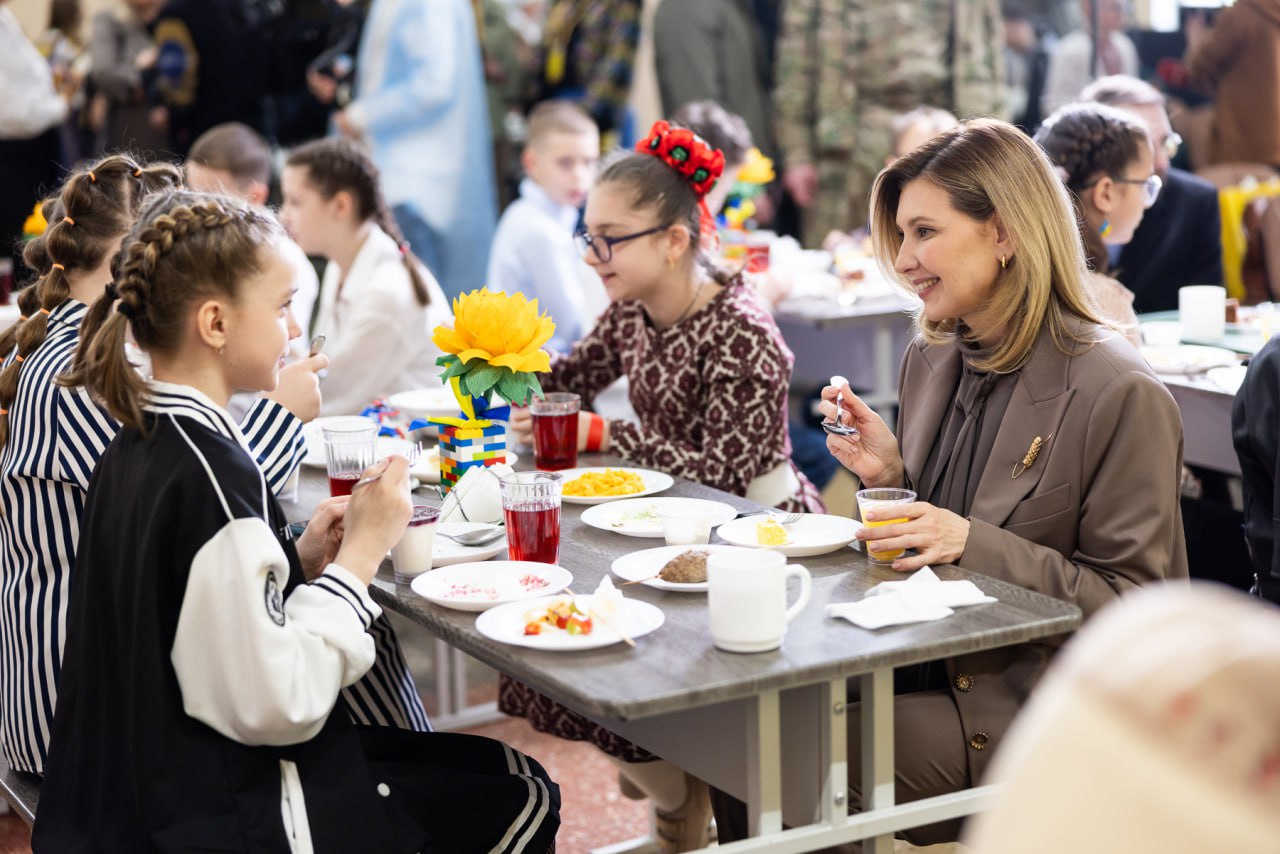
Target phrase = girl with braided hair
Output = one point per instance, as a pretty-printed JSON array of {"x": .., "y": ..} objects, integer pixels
[
  {"x": 201, "y": 702},
  {"x": 378, "y": 303},
  {"x": 1105, "y": 158},
  {"x": 709, "y": 375},
  {"x": 52, "y": 433}
]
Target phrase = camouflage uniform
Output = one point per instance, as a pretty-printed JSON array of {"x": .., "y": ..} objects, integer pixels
[{"x": 845, "y": 68}]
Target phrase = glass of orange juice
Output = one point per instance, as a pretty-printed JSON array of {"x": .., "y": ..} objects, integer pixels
[{"x": 870, "y": 499}]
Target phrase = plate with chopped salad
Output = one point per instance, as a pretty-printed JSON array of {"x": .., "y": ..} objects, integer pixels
[
  {"x": 566, "y": 623},
  {"x": 484, "y": 585},
  {"x": 641, "y": 517},
  {"x": 601, "y": 484}
]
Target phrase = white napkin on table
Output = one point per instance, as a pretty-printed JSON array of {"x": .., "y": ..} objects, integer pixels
[
  {"x": 917, "y": 599},
  {"x": 476, "y": 497}
]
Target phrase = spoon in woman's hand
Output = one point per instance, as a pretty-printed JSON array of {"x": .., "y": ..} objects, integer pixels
[{"x": 836, "y": 425}]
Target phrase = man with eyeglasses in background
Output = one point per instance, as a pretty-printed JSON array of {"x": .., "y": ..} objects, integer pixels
[{"x": 1179, "y": 241}]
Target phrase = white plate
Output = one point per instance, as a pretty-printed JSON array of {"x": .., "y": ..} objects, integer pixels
[
  {"x": 814, "y": 534},
  {"x": 638, "y": 517},
  {"x": 445, "y": 552},
  {"x": 506, "y": 623},
  {"x": 654, "y": 482},
  {"x": 430, "y": 403},
  {"x": 1188, "y": 358},
  {"x": 645, "y": 564},
  {"x": 481, "y": 586}
]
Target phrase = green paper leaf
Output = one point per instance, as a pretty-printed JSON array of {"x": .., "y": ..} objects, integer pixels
[
  {"x": 482, "y": 378},
  {"x": 458, "y": 368},
  {"x": 535, "y": 386},
  {"x": 462, "y": 384},
  {"x": 446, "y": 360},
  {"x": 513, "y": 388}
]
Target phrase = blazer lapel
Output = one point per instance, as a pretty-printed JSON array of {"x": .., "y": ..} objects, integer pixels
[
  {"x": 1038, "y": 405},
  {"x": 935, "y": 374}
]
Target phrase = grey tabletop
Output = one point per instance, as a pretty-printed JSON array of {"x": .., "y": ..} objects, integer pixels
[
  {"x": 677, "y": 667},
  {"x": 828, "y": 313}
]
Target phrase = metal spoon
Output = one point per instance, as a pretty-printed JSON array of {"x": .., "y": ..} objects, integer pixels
[
  {"x": 480, "y": 537},
  {"x": 836, "y": 426}
]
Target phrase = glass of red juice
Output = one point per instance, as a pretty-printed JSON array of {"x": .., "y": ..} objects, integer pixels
[
  {"x": 531, "y": 507},
  {"x": 555, "y": 431},
  {"x": 349, "y": 445}
]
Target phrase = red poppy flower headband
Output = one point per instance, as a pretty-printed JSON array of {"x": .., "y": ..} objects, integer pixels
[{"x": 687, "y": 153}]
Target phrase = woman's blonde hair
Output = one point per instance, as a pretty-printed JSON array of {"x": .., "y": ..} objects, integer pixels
[{"x": 988, "y": 168}]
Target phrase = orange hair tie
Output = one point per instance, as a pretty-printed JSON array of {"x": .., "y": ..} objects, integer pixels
[
  {"x": 137, "y": 173},
  {"x": 93, "y": 178},
  {"x": 19, "y": 359},
  {"x": 4, "y": 412},
  {"x": 23, "y": 317},
  {"x": 68, "y": 220},
  {"x": 44, "y": 311},
  {"x": 58, "y": 266}
]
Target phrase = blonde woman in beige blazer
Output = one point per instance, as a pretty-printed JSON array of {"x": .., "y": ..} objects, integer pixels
[{"x": 1010, "y": 356}]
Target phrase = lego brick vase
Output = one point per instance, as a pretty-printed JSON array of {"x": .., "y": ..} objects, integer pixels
[{"x": 462, "y": 448}]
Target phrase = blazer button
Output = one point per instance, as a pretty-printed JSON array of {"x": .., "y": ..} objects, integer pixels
[
  {"x": 978, "y": 740},
  {"x": 964, "y": 682},
  {"x": 384, "y": 790}
]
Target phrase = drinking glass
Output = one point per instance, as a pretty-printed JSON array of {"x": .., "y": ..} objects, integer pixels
[
  {"x": 555, "y": 431},
  {"x": 349, "y": 446},
  {"x": 870, "y": 499},
  {"x": 531, "y": 507}
]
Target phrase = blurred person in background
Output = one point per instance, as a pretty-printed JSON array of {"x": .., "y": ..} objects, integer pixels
[
  {"x": 420, "y": 106},
  {"x": 588, "y": 53},
  {"x": 122, "y": 61},
  {"x": 1179, "y": 241},
  {"x": 833, "y": 135},
  {"x": 1095, "y": 50},
  {"x": 62, "y": 44},
  {"x": 31, "y": 110}
]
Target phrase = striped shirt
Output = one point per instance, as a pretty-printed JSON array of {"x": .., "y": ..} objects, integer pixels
[{"x": 56, "y": 436}]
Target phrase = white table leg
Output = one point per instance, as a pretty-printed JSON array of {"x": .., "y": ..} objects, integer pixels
[
  {"x": 834, "y": 741},
  {"x": 764, "y": 764},
  {"x": 877, "y": 750}
]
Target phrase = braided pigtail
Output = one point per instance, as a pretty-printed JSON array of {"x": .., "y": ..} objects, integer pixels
[
  {"x": 336, "y": 165},
  {"x": 184, "y": 248},
  {"x": 1087, "y": 142},
  {"x": 88, "y": 214}
]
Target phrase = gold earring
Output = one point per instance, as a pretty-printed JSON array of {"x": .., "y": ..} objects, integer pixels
[{"x": 1003, "y": 262}]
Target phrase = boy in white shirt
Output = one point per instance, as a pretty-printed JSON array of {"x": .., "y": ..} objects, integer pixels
[
  {"x": 533, "y": 250},
  {"x": 235, "y": 160}
]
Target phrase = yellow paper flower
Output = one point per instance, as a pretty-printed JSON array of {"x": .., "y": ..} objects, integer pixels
[
  {"x": 758, "y": 169},
  {"x": 35, "y": 224},
  {"x": 503, "y": 331}
]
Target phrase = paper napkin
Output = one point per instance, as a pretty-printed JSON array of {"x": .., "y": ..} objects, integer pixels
[
  {"x": 476, "y": 497},
  {"x": 920, "y": 598}
]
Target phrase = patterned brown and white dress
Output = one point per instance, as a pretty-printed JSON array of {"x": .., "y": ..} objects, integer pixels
[{"x": 711, "y": 396}]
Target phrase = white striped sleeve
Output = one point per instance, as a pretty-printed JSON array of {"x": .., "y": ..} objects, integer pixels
[
  {"x": 274, "y": 436},
  {"x": 84, "y": 431},
  {"x": 275, "y": 670}
]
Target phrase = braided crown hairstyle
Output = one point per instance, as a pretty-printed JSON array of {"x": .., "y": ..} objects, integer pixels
[
  {"x": 184, "y": 248},
  {"x": 87, "y": 216},
  {"x": 1087, "y": 142},
  {"x": 335, "y": 165}
]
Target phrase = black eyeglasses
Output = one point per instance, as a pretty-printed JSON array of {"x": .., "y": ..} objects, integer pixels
[{"x": 603, "y": 246}]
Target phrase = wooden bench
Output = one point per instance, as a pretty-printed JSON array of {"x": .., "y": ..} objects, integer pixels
[{"x": 22, "y": 791}]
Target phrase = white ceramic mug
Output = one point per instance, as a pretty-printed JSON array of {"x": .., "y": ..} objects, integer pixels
[
  {"x": 1202, "y": 311},
  {"x": 747, "y": 598}
]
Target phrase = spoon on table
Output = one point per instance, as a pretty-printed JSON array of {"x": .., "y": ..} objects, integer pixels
[
  {"x": 478, "y": 537},
  {"x": 836, "y": 425}
]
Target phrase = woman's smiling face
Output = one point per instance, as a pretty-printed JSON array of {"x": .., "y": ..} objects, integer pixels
[{"x": 949, "y": 259}]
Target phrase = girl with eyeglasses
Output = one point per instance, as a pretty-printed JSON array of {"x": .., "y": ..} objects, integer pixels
[
  {"x": 1106, "y": 160},
  {"x": 709, "y": 376}
]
